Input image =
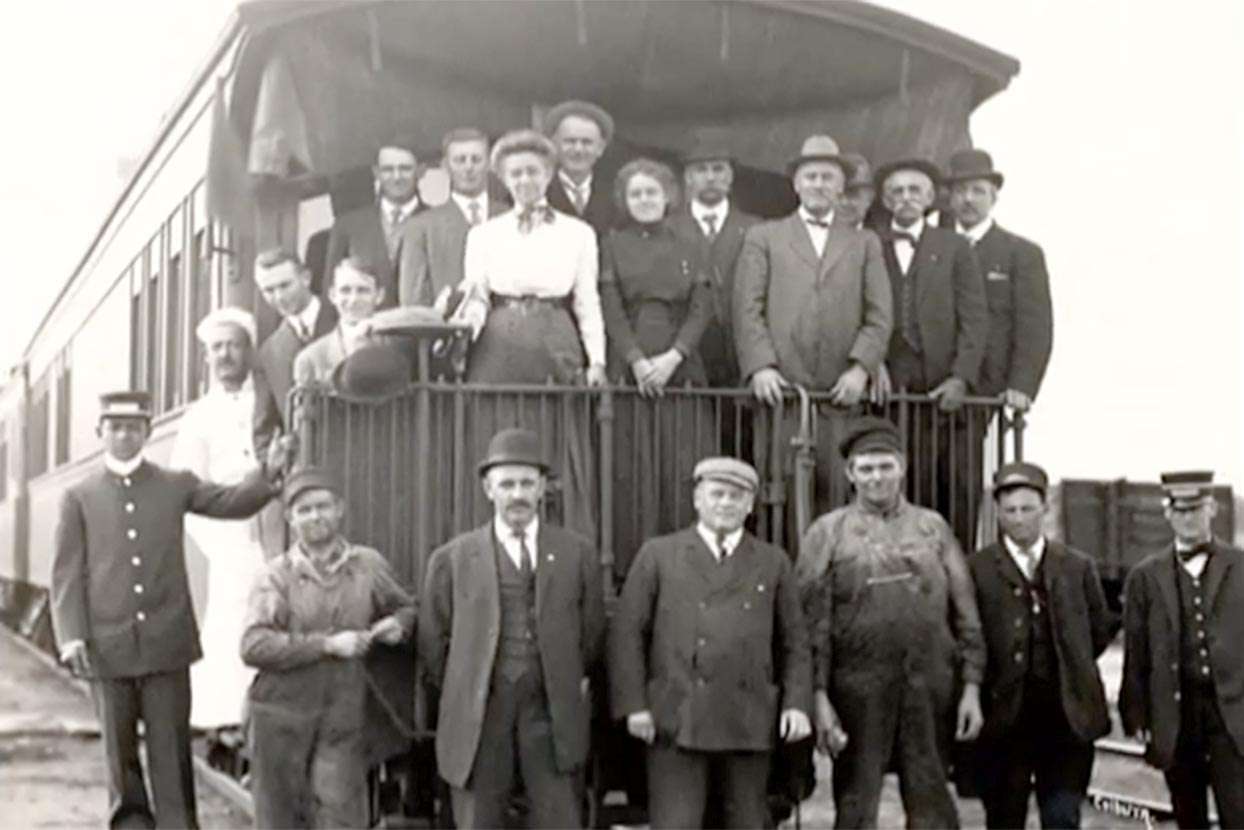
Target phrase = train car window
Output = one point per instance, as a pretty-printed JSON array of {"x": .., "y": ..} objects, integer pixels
[
  {"x": 64, "y": 403},
  {"x": 200, "y": 290},
  {"x": 136, "y": 328},
  {"x": 174, "y": 334},
  {"x": 151, "y": 340},
  {"x": 37, "y": 429}
]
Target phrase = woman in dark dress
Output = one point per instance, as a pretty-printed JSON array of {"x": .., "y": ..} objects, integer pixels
[{"x": 657, "y": 299}]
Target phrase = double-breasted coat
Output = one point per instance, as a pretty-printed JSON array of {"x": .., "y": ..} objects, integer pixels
[
  {"x": 460, "y": 626},
  {"x": 714, "y": 650},
  {"x": 1081, "y": 623},
  {"x": 806, "y": 316},
  {"x": 1149, "y": 697}
]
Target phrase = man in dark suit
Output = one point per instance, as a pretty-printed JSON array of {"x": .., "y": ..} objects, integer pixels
[
  {"x": 717, "y": 226},
  {"x": 286, "y": 287},
  {"x": 122, "y": 609},
  {"x": 1046, "y": 622},
  {"x": 1017, "y": 287},
  {"x": 939, "y": 335},
  {"x": 708, "y": 623},
  {"x": 1183, "y": 669},
  {"x": 374, "y": 231},
  {"x": 812, "y": 306},
  {"x": 511, "y": 624},
  {"x": 581, "y": 131},
  {"x": 434, "y": 242}
]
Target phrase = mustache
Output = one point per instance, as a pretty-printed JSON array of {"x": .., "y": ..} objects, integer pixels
[{"x": 519, "y": 503}]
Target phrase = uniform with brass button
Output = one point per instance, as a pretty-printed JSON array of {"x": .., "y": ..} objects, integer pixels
[
  {"x": 122, "y": 609},
  {"x": 1183, "y": 671}
]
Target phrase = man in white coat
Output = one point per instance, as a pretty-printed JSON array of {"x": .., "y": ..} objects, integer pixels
[{"x": 214, "y": 441}]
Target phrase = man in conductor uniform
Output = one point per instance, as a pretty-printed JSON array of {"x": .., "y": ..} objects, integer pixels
[
  {"x": 510, "y": 627},
  {"x": 1046, "y": 622},
  {"x": 1183, "y": 667},
  {"x": 707, "y": 647},
  {"x": 122, "y": 609}
]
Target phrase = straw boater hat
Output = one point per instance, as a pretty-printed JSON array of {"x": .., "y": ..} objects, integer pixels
[
  {"x": 920, "y": 165},
  {"x": 966, "y": 165},
  {"x": 514, "y": 446},
  {"x": 820, "y": 148},
  {"x": 584, "y": 109},
  {"x": 227, "y": 316}
]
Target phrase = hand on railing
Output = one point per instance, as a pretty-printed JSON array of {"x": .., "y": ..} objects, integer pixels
[
  {"x": 1017, "y": 400},
  {"x": 767, "y": 385},
  {"x": 652, "y": 374},
  {"x": 595, "y": 375},
  {"x": 949, "y": 394},
  {"x": 881, "y": 386},
  {"x": 850, "y": 386}
]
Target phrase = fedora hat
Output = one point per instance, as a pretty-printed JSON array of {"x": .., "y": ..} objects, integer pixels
[
  {"x": 514, "y": 446},
  {"x": 373, "y": 371},
  {"x": 920, "y": 165},
  {"x": 820, "y": 148},
  {"x": 966, "y": 165},
  {"x": 861, "y": 171},
  {"x": 708, "y": 146}
]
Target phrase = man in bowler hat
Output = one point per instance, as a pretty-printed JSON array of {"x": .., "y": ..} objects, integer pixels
[
  {"x": 708, "y": 653},
  {"x": 1046, "y": 622},
  {"x": 511, "y": 625},
  {"x": 1183, "y": 668},
  {"x": 122, "y": 608}
]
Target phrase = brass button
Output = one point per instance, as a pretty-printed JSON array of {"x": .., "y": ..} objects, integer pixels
[
  {"x": 129, "y": 507},
  {"x": 136, "y": 561},
  {"x": 132, "y": 533},
  {"x": 140, "y": 616},
  {"x": 138, "y": 589}
]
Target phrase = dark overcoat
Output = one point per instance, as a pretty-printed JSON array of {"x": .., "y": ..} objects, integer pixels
[
  {"x": 1149, "y": 697},
  {"x": 601, "y": 212},
  {"x": 274, "y": 373},
  {"x": 119, "y": 573},
  {"x": 714, "y": 650},
  {"x": 360, "y": 233},
  {"x": 1081, "y": 622},
  {"x": 1021, "y": 319},
  {"x": 460, "y": 626}
]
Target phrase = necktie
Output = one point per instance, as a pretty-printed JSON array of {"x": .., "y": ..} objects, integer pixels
[
  {"x": 393, "y": 233},
  {"x": 710, "y": 225},
  {"x": 1026, "y": 557},
  {"x": 524, "y": 553},
  {"x": 1195, "y": 551},
  {"x": 722, "y": 550},
  {"x": 300, "y": 329},
  {"x": 579, "y": 198},
  {"x": 475, "y": 217},
  {"x": 395, "y": 218}
]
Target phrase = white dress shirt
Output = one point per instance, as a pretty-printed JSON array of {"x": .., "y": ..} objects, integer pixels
[
  {"x": 1027, "y": 561},
  {"x": 977, "y": 232},
  {"x": 820, "y": 235},
  {"x": 1194, "y": 565},
  {"x": 583, "y": 190},
  {"x": 405, "y": 209},
  {"x": 464, "y": 204},
  {"x": 554, "y": 259},
  {"x": 505, "y": 534},
  {"x": 730, "y": 542},
  {"x": 719, "y": 212},
  {"x": 303, "y": 323},
  {"x": 905, "y": 251}
]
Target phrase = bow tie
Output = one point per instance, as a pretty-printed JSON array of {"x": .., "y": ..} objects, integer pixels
[
  {"x": 901, "y": 236},
  {"x": 528, "y": 216},
  {"x": 816, "y": 223},
  {"x": 1197, "y": 550}
]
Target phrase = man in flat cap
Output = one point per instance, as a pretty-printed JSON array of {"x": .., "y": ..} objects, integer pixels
[
  {"x": 1017, "y": 287},
  {"x": 717, "y": 225},
  {"x": 581, "y": 131},
  {"x": 1046, "y": 622},
  {"x": 373, "y": 233},
  {"x": 812, "y": 305},
  {"x": 708, "y": 653},
  {"x": 122, "y": 608},
  {"x": 214, "y": 442},
  {"x": 314, "y": 613},
  {"x": 1183, "y": 669},
  {"x": 895, "y": 631},
  {"x": 511, "y": 626},
  {"x": 939, "y": 334}
]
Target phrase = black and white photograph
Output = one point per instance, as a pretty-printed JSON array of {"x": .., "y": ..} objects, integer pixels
[{"x": 622, "y": 414}]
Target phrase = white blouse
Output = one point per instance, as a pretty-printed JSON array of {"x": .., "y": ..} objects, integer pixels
[{"x": 554, "y": 259}]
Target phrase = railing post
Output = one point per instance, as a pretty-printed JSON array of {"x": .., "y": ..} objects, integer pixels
[{"x": 605, "y": 415}]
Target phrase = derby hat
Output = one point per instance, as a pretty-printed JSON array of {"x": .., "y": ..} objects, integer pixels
[
  {"x": 514, "y": 446},
  {"x": 373, "y": 371},
  {"x": 966, "y": 165},
  {"x": 861, "y": 171},
  {"x": 584, "y": 109},
  {"x": 708, "y": 146},
  {"x": 820, "y": 148},
  {"x": 920, "y": 165}
]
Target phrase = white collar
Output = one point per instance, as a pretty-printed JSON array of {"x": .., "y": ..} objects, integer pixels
[
  {"x": 123, "y": 468},
  {"x": 807, "y": 217},
  {"x": 407, "y": 207},
  {"x": 464, "y": 203},
  {"x": 569, "y": 183},
  {"x": 699, "y": 210},
  {"x": 505, "y": 533},
  {"x": 915, "y": 229},
  {"x": 977, "y": 232},
  {"x": 1037, "y": 550},
  {"x": 308, "y": 315},
  {"x": 730, "y": 542}
]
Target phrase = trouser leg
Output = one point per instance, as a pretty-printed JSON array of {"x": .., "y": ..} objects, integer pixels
[
  {"x": 118, "y": 705},
  {"x": 281, "y": 744},
  {"x": 1188, "y": 777},
  {"x": 338, "y": 782},
  {"x": 483, "y": 802},
  {"x": 1226, "y": 769},
  {"x": 922, "y": 776},
  {"x": 869, "y": 715},
  {"x": 166, "y": 717},
  {"x": 744, "y": 776},
  {"x": 1064, "y": 767},
  {"x": 677, "y": 786},
  {"x": 1004, "y": 774},
  {"x": 553, "y": 793}
]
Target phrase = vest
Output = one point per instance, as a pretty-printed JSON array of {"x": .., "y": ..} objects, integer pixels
[
  {"x": 1038, "y": 630},
  {"x": 1194, "y": 661},
  {"x": 906, "y": 332},
  {"x": 517, "y": 649}
]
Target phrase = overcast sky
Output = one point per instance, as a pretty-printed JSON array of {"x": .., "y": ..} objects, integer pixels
[{"x": 1120, "y": 139}]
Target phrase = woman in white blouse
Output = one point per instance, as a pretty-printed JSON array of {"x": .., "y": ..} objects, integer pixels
[{"x": 529, "y": 279}]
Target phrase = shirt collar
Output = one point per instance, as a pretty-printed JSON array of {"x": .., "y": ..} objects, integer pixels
[
  {"x": 585, "y": 187},
  {"x": 122, "y": 468},
  {"x": 808, "y": 217},
  {"x": 464, "y": 203},
  {"x": 699, "y": 210},
  {"x": 731, "y": 540},
  {"x": 916, "y": 229},
  {"x": 309, "y": 315},
  {"x": 899, "y": 507},
  {"x": 342, "y": 553},
  {"x": 1037, "y": 550},
  {"x": 247, "y": 388},
  {"x": 506, "y": 533},
  {"x": 977, "y": 232},
  {"x": 407, "y": 207}
]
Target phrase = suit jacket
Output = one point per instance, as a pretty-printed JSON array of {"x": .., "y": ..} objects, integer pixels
[
  {"x": 360, "y": 233},
  {"x": 1150, "y": 691},
  {"x": 1081, "y": 623},
  {"x": 274, "y": 374},
  {"x": 119, "y": 578},
  {"x": 810, "y": 318},
  {"x": 460, "y": 625},
  {"x": 720, "y": 257},
  {"x": 433, "y": 246},
  {"x": 1021, "y": 320},
  {"x": 950, "y": 303},
  {"x": 317, "y": 360},
  {"x": 600, "y": 212},
  {"x": 713, "y": 650}
]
